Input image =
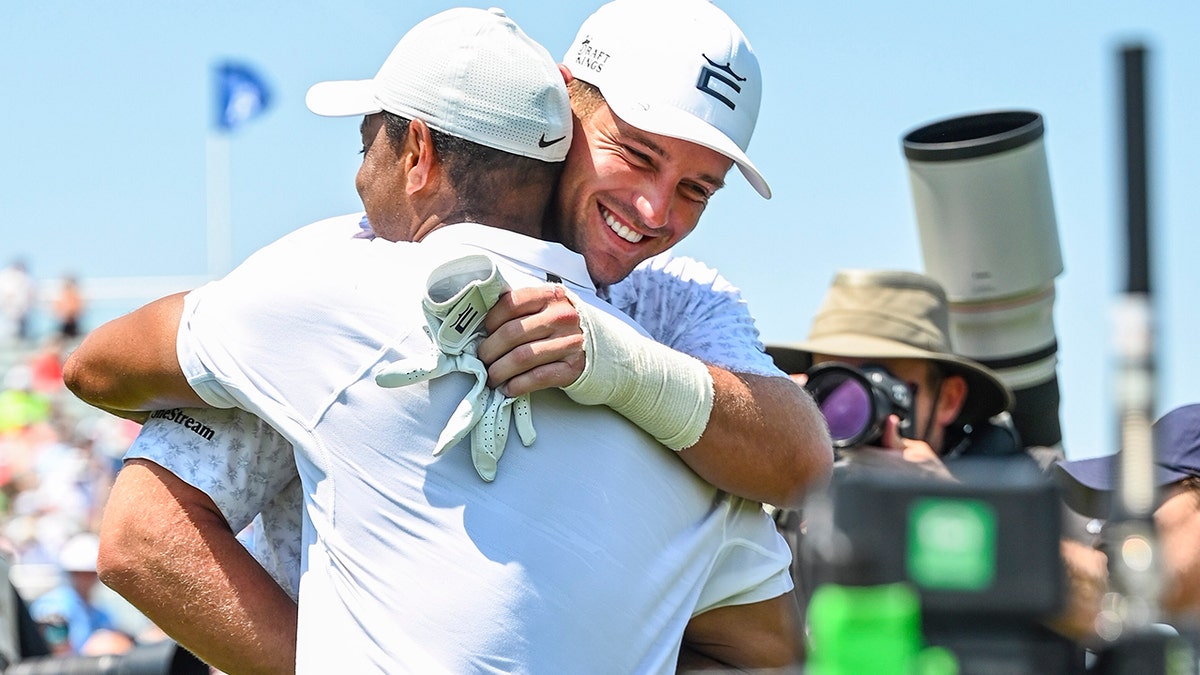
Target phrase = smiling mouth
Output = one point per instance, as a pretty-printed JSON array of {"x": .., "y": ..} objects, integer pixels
[{"x": 620, "y": 228}]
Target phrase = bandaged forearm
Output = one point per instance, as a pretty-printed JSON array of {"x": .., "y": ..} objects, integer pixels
[{"x": 666, "y": 393}]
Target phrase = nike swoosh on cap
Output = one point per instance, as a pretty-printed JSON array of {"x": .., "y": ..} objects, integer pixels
[{"x": 543, "y": 143}]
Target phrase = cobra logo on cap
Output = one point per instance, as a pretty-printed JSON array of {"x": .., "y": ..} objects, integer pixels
[{"x": 722, "y": 73}]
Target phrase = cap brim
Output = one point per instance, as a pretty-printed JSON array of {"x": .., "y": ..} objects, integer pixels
[
  {"x": 1095, "y": 472},
  {"x": 343, "y": 98},
  {"x": 1079, "y": 491},
  {"x": 676, "y": 123},
  {"x": 1088, "y": 484}
]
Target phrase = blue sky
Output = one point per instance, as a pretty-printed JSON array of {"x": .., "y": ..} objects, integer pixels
[{"x": 107, "y": 113}]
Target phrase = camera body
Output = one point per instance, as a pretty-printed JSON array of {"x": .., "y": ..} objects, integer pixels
[{"x": 856, "y": 402}]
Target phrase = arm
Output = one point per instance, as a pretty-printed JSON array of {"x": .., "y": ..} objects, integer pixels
[
  {"x": 1087, "y": 582},
  {"x": 129, "y": 364},
  {"x": 167, "y": 549},
  {"x": 761, "y": 635},
  {"x": 765, "y": 438}
]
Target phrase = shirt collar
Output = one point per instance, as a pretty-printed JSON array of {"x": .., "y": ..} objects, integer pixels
[{"x": 519, "y": 248}]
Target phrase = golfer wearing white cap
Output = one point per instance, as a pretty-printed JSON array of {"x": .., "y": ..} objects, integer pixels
[{"x": 498, "y": 560}]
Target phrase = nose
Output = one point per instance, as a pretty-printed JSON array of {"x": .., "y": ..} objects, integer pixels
[{"x": 654, "y": 206}]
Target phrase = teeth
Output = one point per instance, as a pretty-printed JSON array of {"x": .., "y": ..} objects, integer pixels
[{"x": 620, "y": 228}]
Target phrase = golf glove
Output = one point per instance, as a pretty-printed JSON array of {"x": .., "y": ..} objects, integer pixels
[{"x": 458, "y": 295}]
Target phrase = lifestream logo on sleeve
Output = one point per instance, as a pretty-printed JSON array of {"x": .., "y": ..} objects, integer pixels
[{"x": 188, "y": 422}]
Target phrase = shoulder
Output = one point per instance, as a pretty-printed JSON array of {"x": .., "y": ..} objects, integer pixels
[
  {"x": 674, "y": 288},
  {"x": 668, "y": 275},
  {"x": 346, "y": 226},
  {"x": 668, "y": 267}
]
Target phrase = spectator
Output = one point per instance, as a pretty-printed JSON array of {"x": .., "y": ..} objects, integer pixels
[
  {"x": 46, "y": 367},
  {"x": 68, "y": 309},
  {"x": 1088, "y": 486},
  {"x": 18, "y": 293},
  {"x": 66, "y": 613}
]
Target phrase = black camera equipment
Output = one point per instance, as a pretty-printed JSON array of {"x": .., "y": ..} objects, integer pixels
[
  {"x": 856, "y": 402},
  {"x": 982, "y": 554}
]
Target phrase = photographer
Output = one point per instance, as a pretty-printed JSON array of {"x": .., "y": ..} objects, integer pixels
[
  {"x": 892, "y": 328},
  {"x": 880, "y": 364}
]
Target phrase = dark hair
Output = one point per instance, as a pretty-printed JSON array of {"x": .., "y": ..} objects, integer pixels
[
  {"x": 1192, "y": 485},
  {"x": 482, "y": 175}
]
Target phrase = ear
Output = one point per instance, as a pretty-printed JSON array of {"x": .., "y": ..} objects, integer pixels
[
  {"x": 419, "y": 159},
  {"x": 952, "y": 399}
]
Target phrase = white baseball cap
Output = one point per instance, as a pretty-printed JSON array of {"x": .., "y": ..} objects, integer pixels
[
  {"x": 678, "y": 68},
  {"x": 470, "y": 73}
]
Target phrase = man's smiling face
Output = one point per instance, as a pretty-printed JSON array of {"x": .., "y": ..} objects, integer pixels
[{"x": 626, "y": 195}]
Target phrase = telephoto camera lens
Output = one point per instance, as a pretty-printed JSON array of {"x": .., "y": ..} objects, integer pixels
[{"x": 856, "y": 402}]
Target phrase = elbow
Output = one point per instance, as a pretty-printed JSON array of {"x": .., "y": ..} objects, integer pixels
[
  {"x": 813, "y": 471},
  {"x": 810, "y": 468},
  {"x": 73, "y": 376},
  {"x": 819, "y": 460},
  {"x": 82, "y": 380},
  {"x": 96, "y": 383},
  {"x": 118, "y": 564}
]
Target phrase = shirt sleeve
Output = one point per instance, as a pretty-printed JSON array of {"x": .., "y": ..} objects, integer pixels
[
  {"x": 752, "y": 566},
  {"x": 235, "y": 458},
  {"x": 688, "y": 306},
  {"x": 275, "y": 537}
]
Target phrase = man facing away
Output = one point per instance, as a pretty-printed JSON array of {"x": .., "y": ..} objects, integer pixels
[{"x": 474, "y": 575}]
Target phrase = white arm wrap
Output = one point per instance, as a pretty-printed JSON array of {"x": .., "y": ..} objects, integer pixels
[{"x": 666, "y": 393}]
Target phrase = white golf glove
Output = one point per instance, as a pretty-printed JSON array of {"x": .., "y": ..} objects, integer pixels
[
  {"x": 459, "y": 293},
  {"x": 491, "y": 433}
]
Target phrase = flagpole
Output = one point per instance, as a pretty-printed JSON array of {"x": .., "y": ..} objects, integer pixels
[
  {"x": 220, "y": 229},
  {"x": 241, "y": 95}
]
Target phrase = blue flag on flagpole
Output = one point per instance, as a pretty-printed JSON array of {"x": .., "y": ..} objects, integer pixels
[{"x": 242, "y": 95}]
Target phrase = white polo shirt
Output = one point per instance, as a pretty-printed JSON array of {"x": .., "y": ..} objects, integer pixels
[
  {"x": 590, "y": 551},
  {"x": 247, "y": 469}
]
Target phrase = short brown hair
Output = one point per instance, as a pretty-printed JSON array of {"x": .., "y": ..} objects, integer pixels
[{"x": 585, "y": 98}]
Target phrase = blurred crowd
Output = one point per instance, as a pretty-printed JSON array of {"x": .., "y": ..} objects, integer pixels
[{"x": 58, "y": 458}]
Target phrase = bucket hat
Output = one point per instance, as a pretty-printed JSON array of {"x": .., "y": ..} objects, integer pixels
[{"x": 872, "y": 314}]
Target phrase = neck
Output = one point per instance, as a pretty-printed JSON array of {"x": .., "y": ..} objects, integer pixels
[{"x": 427, "y": 225}]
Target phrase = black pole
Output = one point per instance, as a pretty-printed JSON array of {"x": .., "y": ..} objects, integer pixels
[
  {"x": 1134, "y": 565},
  {"x": 1135, "y": 319},
  {"x": 1137, "y": 209}
]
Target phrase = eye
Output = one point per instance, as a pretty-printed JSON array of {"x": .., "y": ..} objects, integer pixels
[
  {"x": 696, "y": 192},
  {"x": 638, "y": 157}
]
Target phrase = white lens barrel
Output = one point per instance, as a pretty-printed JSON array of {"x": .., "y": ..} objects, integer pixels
[
  {"x": 981, "y": 189},
  {"x": 989, "y": 236}
]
